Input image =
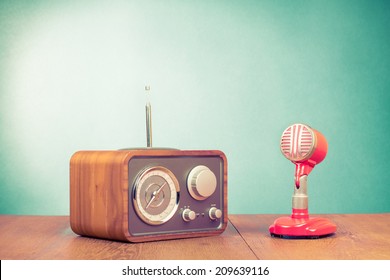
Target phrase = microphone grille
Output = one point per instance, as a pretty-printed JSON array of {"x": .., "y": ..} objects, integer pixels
[{"x": 297, "y": 142}]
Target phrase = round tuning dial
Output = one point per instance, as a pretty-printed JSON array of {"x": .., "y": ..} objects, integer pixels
[
  {"x": 188, "y": 215},
  {"x": 156, "y": 193},
  {"x": 201, "y": 182},
  {"x": 215, "y": 213}
]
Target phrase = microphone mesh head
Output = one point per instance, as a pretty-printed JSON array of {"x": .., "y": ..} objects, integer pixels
[{"x": 297, "y": 142}]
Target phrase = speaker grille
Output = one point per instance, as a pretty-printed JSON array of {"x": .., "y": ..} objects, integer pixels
[{"x": 297, "y": 142}]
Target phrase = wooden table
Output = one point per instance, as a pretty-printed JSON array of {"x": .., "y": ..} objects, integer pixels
[{"x": 360, "y": 236}]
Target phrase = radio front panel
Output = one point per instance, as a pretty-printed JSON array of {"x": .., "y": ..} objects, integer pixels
[{"x": 155, "y": 207}]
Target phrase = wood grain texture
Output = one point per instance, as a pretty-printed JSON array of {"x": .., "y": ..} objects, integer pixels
[
  {"x": 50, "y": 237},
  {"x": 99, "y": 189},
  {"x": 98, "y": 194},
  {"x": 360, "y": 236}
]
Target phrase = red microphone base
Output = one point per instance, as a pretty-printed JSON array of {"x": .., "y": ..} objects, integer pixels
[{"x": 300, "y": 225}]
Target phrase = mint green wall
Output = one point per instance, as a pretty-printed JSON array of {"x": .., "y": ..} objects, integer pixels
[{"x": 228, "y": 75}]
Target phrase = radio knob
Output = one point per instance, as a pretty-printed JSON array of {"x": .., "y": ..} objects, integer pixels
[
  {"x": 188, "y": 215},
  {"x": 215, "y": 213},
  {"x": 201, "y": 182}
]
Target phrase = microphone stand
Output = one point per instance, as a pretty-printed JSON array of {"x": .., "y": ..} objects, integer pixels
[{"x": 299, "y": 224}]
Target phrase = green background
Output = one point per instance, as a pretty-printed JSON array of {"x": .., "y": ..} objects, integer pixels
[{"x": 227, "y": 75}]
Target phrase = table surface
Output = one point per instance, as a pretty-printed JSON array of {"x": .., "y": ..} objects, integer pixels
[{"x": 358, "y": 237}]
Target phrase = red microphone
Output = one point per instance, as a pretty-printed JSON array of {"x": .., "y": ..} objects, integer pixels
[{"x": 305, "y": 147}]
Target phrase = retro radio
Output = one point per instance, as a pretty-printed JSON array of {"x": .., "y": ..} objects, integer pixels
[{"x": 148, "y": 194}]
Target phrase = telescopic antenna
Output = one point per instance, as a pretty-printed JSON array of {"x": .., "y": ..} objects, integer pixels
[{"x": 148, "y": 109}]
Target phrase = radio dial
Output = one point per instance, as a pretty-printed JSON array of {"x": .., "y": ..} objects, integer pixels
[
  {"x": 215, "y": 213},
  {"x": 201, "y": 182},
  {"x": 188, "y": 215}
]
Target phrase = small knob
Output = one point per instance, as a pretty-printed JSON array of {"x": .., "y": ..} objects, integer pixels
[
  {"x": 188, "y": 215},
  {"x": 215, "y": 213},
  {"x": 201, "y": 182}
]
